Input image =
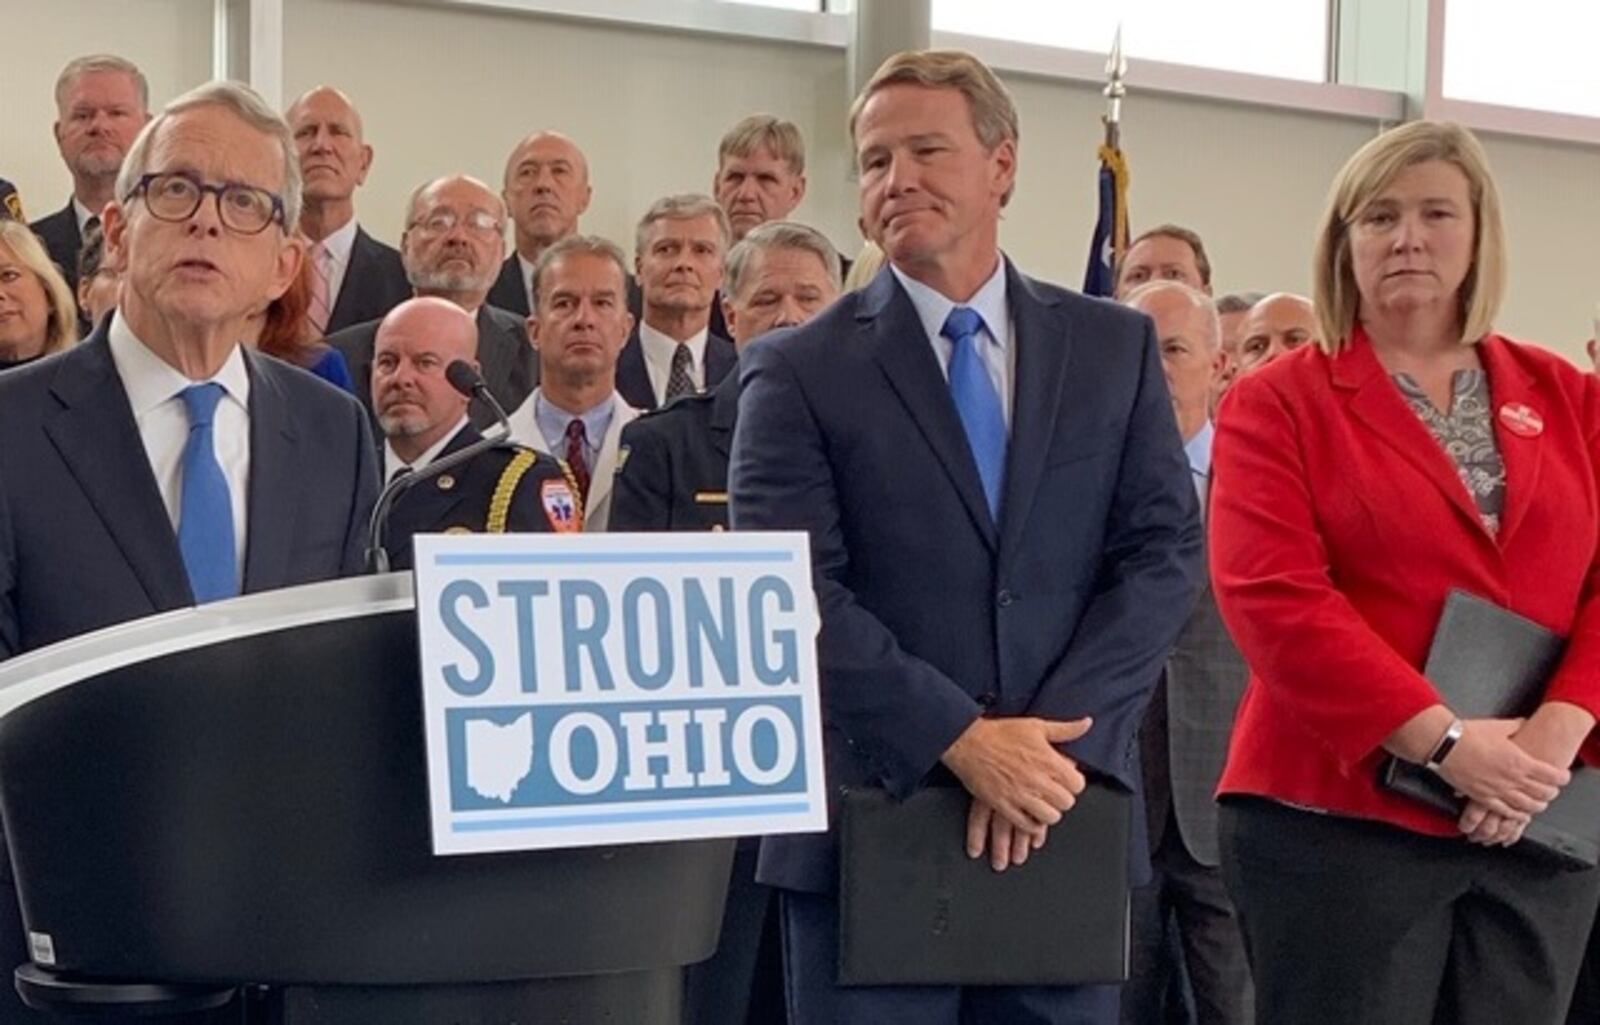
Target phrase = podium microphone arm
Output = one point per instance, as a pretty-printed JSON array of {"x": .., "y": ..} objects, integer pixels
[{"x": 466, "y": 380}]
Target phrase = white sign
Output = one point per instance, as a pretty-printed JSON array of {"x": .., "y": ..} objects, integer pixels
[{"x": 584, "y": 689}]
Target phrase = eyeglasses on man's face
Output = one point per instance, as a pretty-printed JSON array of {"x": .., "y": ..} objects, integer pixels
[
  {"x": 176, "y": 195},
  {"x": 440, "y": 222}
]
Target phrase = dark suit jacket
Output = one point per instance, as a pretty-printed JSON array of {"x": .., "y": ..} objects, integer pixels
[
  {"x": 932, "y": 613},
  {"x": 633, "y": 376},
  {"x": 1187, "y": 730},
  {"x": 458, "y": 500},
  {"x": 61, "y": 238},
  {"x": 374, "y": 283},
  {"x": 675, "y": 475},
  {"x": 85, "y": 541},
  {"x": 510, "y": 367},
  {"x": 508, "y": 292}
]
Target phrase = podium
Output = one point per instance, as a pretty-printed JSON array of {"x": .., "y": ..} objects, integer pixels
[{"x": 235, "y": 796}]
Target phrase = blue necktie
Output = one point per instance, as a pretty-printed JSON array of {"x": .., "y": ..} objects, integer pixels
[
  {"x": 977, "y": 403},
  {"x": 205, "y": 511}
]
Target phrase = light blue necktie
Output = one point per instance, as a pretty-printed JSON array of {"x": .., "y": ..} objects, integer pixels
[
  {"x": 977, "y": 402},
  {"x": 205, "y": 510}
]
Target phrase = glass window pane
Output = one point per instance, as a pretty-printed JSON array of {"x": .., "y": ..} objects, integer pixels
[
  {"x": 1537, "y": 54},
  {"x": 1282, "y": 38},
  {"x": 793, "y": 5}
]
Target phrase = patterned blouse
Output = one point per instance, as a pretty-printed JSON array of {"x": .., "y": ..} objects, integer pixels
[{"x": 1466, "y": 433}]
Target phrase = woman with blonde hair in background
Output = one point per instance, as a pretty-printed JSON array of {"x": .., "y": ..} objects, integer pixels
[{"x": 37, "y": 314}]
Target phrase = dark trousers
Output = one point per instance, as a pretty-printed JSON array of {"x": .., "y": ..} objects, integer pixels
[
  {"x": 1186, "y": 894},
  {"x": 811, "y": 961},
  {"x": 1352, "y": 921},
  {"x": 743, "y": 981},
  {"x": 1586, "y": 998}
]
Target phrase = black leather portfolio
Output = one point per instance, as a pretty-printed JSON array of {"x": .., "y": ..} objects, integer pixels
[
  {"x": 915, "y": 910},
  {"x": 1489, "y": 662}
]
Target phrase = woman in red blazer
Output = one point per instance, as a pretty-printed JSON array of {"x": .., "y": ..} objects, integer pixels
[{"x": 1354, "y": 484}]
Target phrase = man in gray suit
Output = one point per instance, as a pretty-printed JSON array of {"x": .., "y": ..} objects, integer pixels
[
  {"x": 1184, "y": 740},
  {"x": 452, "y": 248}
]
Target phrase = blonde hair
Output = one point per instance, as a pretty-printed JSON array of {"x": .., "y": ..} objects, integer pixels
[
  {"x": 867, "y": 264},
  {"x": 764, "y": 131},
  {"x": 30, "y": 252},
  {"x": 1363, "y": 177},
  {"x": 994, "y": 115}
]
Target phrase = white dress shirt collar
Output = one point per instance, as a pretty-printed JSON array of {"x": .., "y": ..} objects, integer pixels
[
  {"x": 83, "y": 214},
  {"x": 526, "y": 266},
  {"x": 989, "y": 301},
  {"x": 150, "y": 380},
  {"x": 658, "y": 350}
]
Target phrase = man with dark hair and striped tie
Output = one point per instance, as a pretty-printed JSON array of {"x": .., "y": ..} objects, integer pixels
[
  {"x": 579, "y": 324},
  {"x": 159, "y": 463}
]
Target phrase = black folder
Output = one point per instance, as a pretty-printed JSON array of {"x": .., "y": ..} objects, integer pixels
[
  {"x": 1489, "y": 662},
  {"x": 915, "y": 910}
]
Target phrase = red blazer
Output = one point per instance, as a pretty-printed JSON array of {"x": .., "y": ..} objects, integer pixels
[{"x": 1337, "y": 527}]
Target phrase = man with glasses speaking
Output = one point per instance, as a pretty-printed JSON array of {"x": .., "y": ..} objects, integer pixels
[
  {"x": 160, "y": 464},
  {"x": 452, "y": 249}
]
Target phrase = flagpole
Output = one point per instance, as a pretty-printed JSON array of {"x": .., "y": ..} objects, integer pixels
[{"x": 1116, "y": 71}]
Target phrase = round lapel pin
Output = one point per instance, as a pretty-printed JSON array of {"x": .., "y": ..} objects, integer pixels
[{"x": 1521, "y": 420}]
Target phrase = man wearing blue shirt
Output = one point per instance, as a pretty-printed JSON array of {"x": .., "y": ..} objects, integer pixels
[{"x": 1003, "y": 527}]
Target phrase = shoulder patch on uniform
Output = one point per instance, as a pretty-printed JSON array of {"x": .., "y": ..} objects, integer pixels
[
  {"x": 560, "y": 506},
  {"x": 622, "y": 456}
]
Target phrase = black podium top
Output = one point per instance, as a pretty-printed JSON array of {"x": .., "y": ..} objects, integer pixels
[{"x": 238, "y": 793}]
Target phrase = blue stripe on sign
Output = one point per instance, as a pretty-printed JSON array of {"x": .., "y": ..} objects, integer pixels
[
  {"x": 607, "y": 818},
  {"x": 577, "y": 559}
]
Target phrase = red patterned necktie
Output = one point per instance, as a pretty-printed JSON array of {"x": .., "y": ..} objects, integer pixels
[{"x": 577, "y": 462}]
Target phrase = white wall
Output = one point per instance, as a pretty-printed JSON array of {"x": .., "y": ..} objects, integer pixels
[
  {"x": 170, "y": 40},
  {"x": 452, "y": 89}
]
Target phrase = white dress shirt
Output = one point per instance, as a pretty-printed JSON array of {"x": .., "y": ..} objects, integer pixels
[
  {"x": 526, "y": 266},
  {"x": 336, "y": 259},
  {"x": 989, "y": 302},
  {"x": 658, "y": 350},
  {"x": 154, "y": 387},
  {"x": 393, "y": 462},
  {"x": 83, "y": 214},
  {"x": 1198, "y": 449}
]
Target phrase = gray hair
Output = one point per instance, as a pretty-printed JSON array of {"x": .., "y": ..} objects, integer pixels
[
  {"x": 682, "y": 208},
  {"x": 1238, "y": 302},
  {"x": 250, "y": 108},
  {"x": 101, "y": 62},
  {"x": 777, "y": 235},
  {"x": 1198, "y": 299},
  {"x": 591, "y": 245}
]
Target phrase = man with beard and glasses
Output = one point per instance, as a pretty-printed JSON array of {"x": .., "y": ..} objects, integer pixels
[{"x": 452, "y": 248}]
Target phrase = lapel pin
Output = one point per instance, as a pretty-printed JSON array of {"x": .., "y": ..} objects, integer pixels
[
  {"x": 446, "y": 482},
  {"x": 1521, "y": 420}
]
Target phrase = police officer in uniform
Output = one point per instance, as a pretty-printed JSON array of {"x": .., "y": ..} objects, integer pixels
[
  {"x": 673, "y": 473},
  {"x": 424, "y": 418}
]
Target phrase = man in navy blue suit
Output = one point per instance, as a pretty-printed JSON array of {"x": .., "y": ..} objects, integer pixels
[
  {"x": 1005, "y": 537},
  {"x": 159, "y": 464}
]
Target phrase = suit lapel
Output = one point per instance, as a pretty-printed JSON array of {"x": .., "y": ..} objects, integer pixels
[
  {"x": 725, "y": 412},
  {"x": 1510, "y": 385},
  {"x": 355, "y": 271},
  {"x": 1043, "y": 349},
  {"x": 721, "y": 358},
  {"x": 99, "y": 441},
  {"x": 274, "y": 492},
  {"x": 633, "y": 378},
  {"x": 1377, "y": 405},
  {"x": 605, "y": 465},
  {"x": 901, "y": 347}
]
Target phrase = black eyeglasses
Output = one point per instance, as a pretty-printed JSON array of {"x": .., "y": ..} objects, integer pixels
[{"x": 176, "y": 195}]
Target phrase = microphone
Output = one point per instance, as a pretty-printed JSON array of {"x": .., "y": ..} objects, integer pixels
[{"x": 466, "y": 380}]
